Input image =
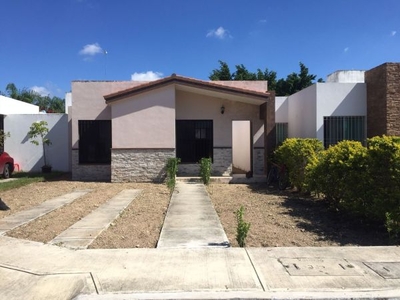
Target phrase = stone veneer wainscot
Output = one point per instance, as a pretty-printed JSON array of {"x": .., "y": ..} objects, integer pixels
[
  {"x": 89, "y": 172},
  {"x": 139, "y": 165}
]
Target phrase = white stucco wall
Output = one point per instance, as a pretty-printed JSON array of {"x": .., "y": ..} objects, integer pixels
[
  {"x": 350, "y": 76},
  {"x": 10, "y": 106},
  {"x": 191, "y": 106},
  {"x": 281, "y": 109},
  {"x": 88, "y": 101},
  {"x": 303, "y": 113},
  {"x": 145, "y": 121},
  {"x": 29, "y": 156},
  {"x": 339, "y": 99}
]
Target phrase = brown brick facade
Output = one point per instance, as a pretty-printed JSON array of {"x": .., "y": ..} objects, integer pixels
[{"x": 383, "y": 100}]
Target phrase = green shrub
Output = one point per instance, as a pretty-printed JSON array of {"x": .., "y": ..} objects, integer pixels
[
  {"x": 340, "y": 174},
  {"x": 172, "y": 169},
  {"x": 384, "y": 177},
  {"x": 296, "y": 154},
  {"x": 205, "y": 169},
  {"x": 242, "y": 227}
]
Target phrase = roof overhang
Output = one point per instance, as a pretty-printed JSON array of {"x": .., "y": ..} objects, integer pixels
[{"x": 191, "y": 85}]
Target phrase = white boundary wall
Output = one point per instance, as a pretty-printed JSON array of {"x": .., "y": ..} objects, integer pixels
[{"x": 29, "y": 156}]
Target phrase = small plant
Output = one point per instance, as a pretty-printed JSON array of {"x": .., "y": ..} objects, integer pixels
[
  {"x": 242, "y": 227},
  {"x": 205, "y": 169},
  {"x": 3, "y": 136},
  {"x": 172, "y": 169},
  {"x": 37, "y": 132}
]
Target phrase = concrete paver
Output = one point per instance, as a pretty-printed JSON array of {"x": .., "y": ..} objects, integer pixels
[
  {"x": 191, "y": 220},
  {"x": 82, "y": 233},
  {"x": 26, "y": 216}
]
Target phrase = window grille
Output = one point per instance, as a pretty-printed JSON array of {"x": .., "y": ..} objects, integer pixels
[
  {"x": 94, "y": 141},
  {"x": 337, "y": 129},
  {"x": 281, "y": 133}
]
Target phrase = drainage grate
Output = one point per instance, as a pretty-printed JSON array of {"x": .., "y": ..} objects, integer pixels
[
  {"x": 319, "y": 267},
  {"x": 388, "y": 270}
]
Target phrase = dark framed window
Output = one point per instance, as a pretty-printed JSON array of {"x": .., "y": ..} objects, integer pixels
[
  {"x": 94, "y": 141},
  {"x": 194, "y": 140},
  {"x": 337, "y": 129},
  {"x": 281, "y": 132}
]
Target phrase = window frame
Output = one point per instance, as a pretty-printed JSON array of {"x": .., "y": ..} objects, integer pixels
[{"x": 95, "y": 142}]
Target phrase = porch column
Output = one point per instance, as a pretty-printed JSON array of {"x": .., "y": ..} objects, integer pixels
[{"x": 267, "y": 113}]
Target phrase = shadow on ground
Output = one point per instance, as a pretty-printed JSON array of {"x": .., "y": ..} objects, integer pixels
[{"x": 315, "y": 215}]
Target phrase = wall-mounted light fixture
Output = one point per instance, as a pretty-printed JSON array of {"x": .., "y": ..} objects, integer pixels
[{"x": 222, "y": 109}]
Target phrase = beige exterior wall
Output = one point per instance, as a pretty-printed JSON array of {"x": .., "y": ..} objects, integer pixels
[
  {"x": 145, "y": 121},
  {"x": 88, "y": 101},
  {"x": 254, "y": 85},
  {"x": 191, "y": 106}
]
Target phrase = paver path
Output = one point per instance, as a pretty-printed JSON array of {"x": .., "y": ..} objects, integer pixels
[
  {"x": 26, "y": 216},
  {"x": 82, "y": 233},
  {"x": 191, "y": 220}
]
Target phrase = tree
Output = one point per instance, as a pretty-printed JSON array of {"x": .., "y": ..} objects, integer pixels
[
  {"x": 223, "y": 73},
  {"x": 49, "y": 104},
  {"x": 37, "y": 132},
  {"x": 293, "y": 83}
]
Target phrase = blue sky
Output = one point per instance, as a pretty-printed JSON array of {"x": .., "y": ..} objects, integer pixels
[{"x": 45, "y": 44}]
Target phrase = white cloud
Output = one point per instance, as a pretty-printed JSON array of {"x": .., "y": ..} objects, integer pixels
[
  {"x": 345, "y": 50},
  {"x": 220, "y": 33},
  {"x": 91, "y": 49},
  {"x": 41, "y": 90},
  {"x": 393, "y": 33},
  {"x": 146, "y": 76},
  {"x": 262, "y": 21}
]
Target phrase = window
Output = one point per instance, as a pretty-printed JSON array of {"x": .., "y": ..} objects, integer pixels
[
  {"x": 94, "y": 142},
  {"x": 194, "y": 140},
  {"x": 2, "y": 131},
  {"x": 281, "y": 132},
  {"x": 337, "y": 129}
]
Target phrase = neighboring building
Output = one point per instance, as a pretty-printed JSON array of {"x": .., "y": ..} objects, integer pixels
[
  {"x": 126, "y": 131},
  {"x": 330, "y": 111},
  {"x": 15, "y": 118}
]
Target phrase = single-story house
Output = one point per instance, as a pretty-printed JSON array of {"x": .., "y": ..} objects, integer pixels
[{"x": 126, "y": 131}]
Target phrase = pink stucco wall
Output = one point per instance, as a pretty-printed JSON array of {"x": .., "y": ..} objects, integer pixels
[
  {"x": 145, "y": 121},
  {"x": 256, "y": 85},
  {"x": 88, "y": 101},
  {"x": 192, "y": 106}
]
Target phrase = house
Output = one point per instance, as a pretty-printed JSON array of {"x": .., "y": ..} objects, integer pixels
[
  {"x": 125, "y": 131},
  {"x": 350, "y": 105}
]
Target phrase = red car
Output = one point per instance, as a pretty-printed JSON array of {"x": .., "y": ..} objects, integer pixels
[{"x": 6, "y": 165}]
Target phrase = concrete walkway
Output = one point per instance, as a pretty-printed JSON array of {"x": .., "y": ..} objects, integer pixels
[
  {"x": 191, "y": 220},
  {"x": 82, "y": 234},
  {"x": 26, "y": 216},
  {"x": 31, "y": 270}
]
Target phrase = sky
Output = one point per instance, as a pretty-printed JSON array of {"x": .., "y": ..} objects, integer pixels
[{"x": 46, "y": 44}]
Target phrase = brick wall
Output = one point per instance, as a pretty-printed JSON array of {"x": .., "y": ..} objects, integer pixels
[
  {"x": 393, "y": 99},
  {"x": 383, "y": 100}
]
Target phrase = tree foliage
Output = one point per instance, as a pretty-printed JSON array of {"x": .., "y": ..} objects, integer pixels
[
  {"x": 293, "y": 83},
  {"x": 49, "y": 104}
]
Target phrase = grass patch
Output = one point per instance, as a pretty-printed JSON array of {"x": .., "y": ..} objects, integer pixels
[{"x": 24, "y": 178}]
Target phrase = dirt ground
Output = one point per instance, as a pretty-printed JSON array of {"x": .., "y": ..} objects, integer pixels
[{"x": 277, "y": 218}]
